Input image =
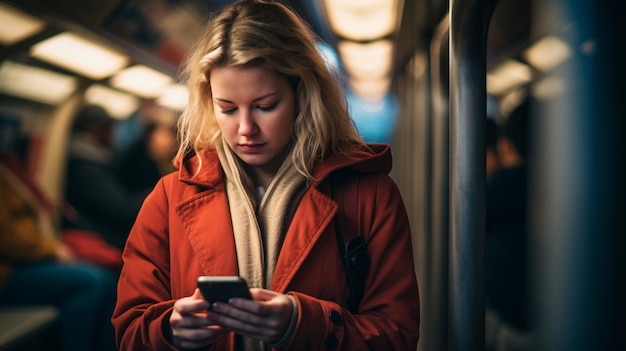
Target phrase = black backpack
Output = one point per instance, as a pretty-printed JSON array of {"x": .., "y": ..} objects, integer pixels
[{"x": 352, "y": 246}]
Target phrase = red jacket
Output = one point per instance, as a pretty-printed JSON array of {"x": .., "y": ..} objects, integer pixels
[{"x": 184, "y": 231}]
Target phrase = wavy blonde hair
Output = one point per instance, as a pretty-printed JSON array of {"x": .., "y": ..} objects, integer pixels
[{"x": 273, "y": 36}]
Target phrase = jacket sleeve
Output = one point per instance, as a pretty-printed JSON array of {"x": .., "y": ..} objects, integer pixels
[
  {"x": 389, "y": 314},
  {"x": 154, "y": 275},
  {"x": 144, "y": 298}
]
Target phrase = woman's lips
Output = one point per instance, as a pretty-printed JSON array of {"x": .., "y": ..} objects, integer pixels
[{"x": 251, "y": 147}]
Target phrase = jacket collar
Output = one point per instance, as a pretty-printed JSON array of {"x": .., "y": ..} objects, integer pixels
[
  {"x": 191, "y": 171},
  {"x": 378, "y": 160}
]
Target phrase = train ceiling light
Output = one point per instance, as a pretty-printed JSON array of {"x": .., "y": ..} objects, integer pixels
[
  {"x": 141, "y": 80},
  {"x": 547, "y": 53},
  {"x": 16, "y": 25},
  {"x": 370, "y": 90},
  {"x": 36, "y": 84},
  {"x": 368, "y": 60},
  {"x": 362, "y": 20},
  {"x": 118, "y": 104},
  {"x": 174, "y": 97},
  {"x": 80, "y": 55},
  {"x": 365, "y": 30},
  {"x": 507, "y": 76}
]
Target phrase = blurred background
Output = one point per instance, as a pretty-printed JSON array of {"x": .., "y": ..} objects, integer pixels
[{"x": 421, "y": 75}]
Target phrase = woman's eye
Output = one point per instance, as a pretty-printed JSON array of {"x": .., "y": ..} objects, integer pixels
[
  {"x": 267, "y": 108},
  {"x": 228, "y": 111}
]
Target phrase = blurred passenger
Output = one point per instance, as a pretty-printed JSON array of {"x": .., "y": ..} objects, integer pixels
[
  {"x": 492, "y": 161},
  {"x": 127, "y": 131},
  {"x": 93, "y": 186},
  {"x": 37, "y": 267},
  {"x": 507, "y": 273},
  {"x": 149, "y": 158}
]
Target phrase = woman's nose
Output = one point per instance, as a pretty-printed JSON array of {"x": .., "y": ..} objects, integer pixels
[{"x": 247, "y": 125}]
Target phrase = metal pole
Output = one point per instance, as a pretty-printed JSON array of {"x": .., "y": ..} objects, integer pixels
[
  {"x": 469, "y": 23},
  {"x": 439, "y": 189}
]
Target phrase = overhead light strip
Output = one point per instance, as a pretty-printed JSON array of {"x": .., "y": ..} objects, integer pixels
[
  {"x": 174, "y": 97},
  {"x": 16, "y": 25},
  {"x": 362, "y": 20},
  {"x": 141, "y": 80},
  {"x": 547, "y": 53},
  {"x": 507, "y": 76},
  {"x": 118, "y": 104},
  {"x": 80, "y": 55},
  {"x": 36, "y": 84},
  {"x": 366, "y": 61}
]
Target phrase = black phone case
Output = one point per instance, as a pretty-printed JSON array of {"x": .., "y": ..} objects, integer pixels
[{"x": 223, "y": 288}]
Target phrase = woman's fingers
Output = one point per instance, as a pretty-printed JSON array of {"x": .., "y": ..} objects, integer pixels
[
  {"x": 190, "y": 323},
  {"x": 265, "y": 318}
]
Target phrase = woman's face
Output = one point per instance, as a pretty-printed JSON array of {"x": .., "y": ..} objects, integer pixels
[{"x": 255, "y": 110}]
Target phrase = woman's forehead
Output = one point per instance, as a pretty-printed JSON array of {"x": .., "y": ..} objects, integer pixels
[{"x": 252, "y": 82}]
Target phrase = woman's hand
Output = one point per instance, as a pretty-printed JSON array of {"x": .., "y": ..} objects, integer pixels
[
  {"x": 266, "y": 318},
  {"x": 190, "y": 323}
]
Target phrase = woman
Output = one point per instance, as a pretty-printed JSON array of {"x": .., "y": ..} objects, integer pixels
[{"x": 263, "y": 138}]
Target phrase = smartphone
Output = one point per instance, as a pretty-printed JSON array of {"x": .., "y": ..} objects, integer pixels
[{"x": 223, "y": 288}]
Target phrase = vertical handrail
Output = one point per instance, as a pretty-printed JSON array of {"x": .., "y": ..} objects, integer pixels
[
  {"x": 469, "y": 23},
  {"x": 438, "y": 318}
]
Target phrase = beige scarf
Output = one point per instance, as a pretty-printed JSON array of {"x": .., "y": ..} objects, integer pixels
[{"x": 259, "y": 224}]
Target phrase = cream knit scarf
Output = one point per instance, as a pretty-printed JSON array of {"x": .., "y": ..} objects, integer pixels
[{"x": 259, "y": 224}]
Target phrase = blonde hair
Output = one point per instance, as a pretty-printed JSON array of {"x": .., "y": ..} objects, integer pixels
[{"x": 269, "y": 35}]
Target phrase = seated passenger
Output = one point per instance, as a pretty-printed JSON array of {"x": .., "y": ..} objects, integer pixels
[
  {"x": 492, "y": 159},
  {"x": 38, "y": 268},
  {"x": 507, "y": 238},
  {"x": 92, "y": 184},
  {"x": 148, "y": 158}
]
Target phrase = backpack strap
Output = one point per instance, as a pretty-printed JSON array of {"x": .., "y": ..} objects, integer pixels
[{"x": 352, "y": 245}]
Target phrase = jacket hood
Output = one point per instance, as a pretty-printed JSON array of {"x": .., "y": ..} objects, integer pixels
[{"x": 376, "y": 160}]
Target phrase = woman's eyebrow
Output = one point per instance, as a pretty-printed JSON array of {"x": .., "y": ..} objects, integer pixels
[{"x": 256, "y": 99}]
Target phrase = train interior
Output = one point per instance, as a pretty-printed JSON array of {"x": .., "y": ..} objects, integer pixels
[{"x": 421, "y": 75}]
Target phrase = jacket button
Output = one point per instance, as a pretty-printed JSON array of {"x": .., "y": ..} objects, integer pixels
[
  {"x": 331, "y": 342},
  {"x": 335, "y": 317}
]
